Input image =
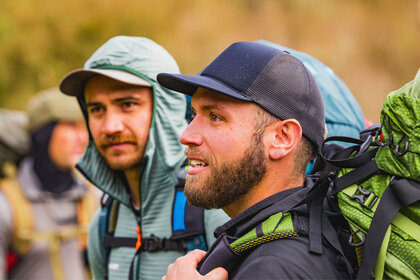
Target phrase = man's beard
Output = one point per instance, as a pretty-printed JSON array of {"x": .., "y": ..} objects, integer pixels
[{"x": 230, "y": 180}]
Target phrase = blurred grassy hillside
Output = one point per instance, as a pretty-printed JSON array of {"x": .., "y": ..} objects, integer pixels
[{"x": 372, "y": 45}]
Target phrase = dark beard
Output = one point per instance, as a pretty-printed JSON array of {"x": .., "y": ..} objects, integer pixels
[{"x": 229, "y": 181}]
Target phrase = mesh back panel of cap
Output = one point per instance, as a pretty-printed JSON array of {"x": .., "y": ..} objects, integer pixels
[
  {"x": 286, "y": 89},
  {"x": 239, "y": 65}
]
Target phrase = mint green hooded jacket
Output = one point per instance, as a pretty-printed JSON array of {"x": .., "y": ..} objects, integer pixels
[{"x": 162, "y": 160}]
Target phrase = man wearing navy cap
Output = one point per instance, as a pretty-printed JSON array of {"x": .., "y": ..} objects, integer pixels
[{"x": 258, "y": 119}]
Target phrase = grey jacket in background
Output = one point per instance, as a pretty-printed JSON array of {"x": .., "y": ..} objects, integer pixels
[
  {"x": 49, "y": 214},
  {"x": 162, "y": 161}
]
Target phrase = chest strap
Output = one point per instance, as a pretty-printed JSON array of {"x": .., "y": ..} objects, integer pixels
[{"x": 150, "y": 244}]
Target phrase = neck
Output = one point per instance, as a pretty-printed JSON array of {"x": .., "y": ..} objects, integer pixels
[
  {"x": 133, "y": 179},
  {"x": 273, "y": 182}
]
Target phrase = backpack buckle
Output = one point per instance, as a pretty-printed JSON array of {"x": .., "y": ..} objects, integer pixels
[
  {"x": 153, "y": 244},
  {"x": 366, "y": 198}
]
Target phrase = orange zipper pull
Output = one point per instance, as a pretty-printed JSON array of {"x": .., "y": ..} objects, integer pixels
[{"x": 138, "y": 243}]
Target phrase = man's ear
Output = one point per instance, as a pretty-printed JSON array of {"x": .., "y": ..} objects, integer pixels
[{"x": 284, "y": 138}]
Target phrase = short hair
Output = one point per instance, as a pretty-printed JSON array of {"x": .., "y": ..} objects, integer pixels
[{"x": 305, "y": 148}]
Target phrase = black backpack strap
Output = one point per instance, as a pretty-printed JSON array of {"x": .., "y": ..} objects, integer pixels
[
  {"x": 357, "y": 175},
  {"x": 109, "y": 207},
  {"x": 399, "y": 193}
]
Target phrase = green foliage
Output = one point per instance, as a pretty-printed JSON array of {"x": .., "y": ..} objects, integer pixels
[{"x": 371, "y": 45}]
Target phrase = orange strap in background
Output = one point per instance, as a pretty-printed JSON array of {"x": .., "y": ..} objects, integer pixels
[{"x": 138, "y": 243}]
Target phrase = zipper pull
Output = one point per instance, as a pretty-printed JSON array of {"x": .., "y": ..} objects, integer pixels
[{"x": 138, "y": 243}]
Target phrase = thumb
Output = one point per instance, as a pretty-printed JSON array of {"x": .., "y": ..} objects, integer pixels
[{"x": 218, "y": 273}]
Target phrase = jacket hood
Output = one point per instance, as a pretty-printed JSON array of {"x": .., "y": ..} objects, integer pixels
[{"x": 145, "y": 59}]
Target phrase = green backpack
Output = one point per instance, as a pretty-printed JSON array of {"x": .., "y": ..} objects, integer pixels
[{"x": 376, "y": 183}]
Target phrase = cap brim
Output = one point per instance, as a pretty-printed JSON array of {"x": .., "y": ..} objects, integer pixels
[
  {"x": 188, "y": 84},
  {"x": 74, "y": 82}
]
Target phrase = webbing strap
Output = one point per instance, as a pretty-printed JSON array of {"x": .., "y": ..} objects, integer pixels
[
  {"x": 357, "y": 175},
  {"x": 109, "y": 241},
  {"x": 150, "y": 244},
  {"x": 315, "y": 225},
  {"x": 399, "y": 193}
]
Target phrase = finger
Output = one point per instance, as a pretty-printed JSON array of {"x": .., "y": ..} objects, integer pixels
[
  {"x": 218, "y": 273},
  {"x": 194, "y": 257}
]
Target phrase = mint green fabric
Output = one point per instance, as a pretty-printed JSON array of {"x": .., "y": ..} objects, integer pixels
[
  {"x": 402, "y": 107},
  {"x": 163, "y": 156}
]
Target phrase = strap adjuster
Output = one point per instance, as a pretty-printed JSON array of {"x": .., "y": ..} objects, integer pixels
[
  {"x": 153, "y": 243},
  {"x": 366, "y": 198}
]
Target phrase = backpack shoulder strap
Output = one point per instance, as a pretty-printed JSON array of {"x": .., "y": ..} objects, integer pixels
[
  {"x": 275, "y": 227},
  {"x": 21, "y": 214},
  {"x": 228, "y": 255}
]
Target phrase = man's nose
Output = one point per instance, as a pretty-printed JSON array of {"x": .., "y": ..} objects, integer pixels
[
  {"x": 191, "y": 135},
  {"x": 113, "y": 123}
]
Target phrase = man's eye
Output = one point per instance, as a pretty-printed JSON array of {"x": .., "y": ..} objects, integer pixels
[
  {"x": 193, "y": 114},
  {"x": 128, "y": 104},
  {"x": 94, "y": 110},
  {"x": 214, "y": 117}
]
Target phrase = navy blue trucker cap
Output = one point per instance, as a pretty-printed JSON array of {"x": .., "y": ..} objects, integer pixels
[{"x": 269, "y": 77}]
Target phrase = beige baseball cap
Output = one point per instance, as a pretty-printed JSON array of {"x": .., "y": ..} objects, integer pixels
[{"x": 74, "y": 82}]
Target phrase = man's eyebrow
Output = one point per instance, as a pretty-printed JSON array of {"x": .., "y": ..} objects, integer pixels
[
  {"x": 93, "y": 104},
  {"x": 116, "y": 100},
  {"x": 127, "y": 98},
  {"x": 208, "y": 107}
]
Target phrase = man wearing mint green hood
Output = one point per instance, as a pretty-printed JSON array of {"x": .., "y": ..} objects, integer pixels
[{"x": 133, "y": 154}]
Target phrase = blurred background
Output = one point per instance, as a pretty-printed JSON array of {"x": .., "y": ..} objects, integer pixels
[{"x": 372, "y": 45}]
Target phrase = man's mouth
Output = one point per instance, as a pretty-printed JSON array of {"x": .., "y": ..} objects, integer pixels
[
  {"x": 116, "y": 145},
  {"x": 197, "y": 163}
]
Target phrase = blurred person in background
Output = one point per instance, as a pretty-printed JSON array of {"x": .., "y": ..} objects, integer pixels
[
  {"x": 14, "y": 140},
  {"x": 45, "y": 207},
  {"x": 134, "y": 156}
]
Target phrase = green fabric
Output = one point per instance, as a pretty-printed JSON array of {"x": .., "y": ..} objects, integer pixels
[
  {"x": 164, "y": 155},
  {"x": 402, "y": 107},
  {"x": 400, "y": 252},
  {"x": 402, "y": 245}
]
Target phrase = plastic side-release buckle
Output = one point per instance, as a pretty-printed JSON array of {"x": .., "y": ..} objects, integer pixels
[{"x": 366, "y": 198}]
